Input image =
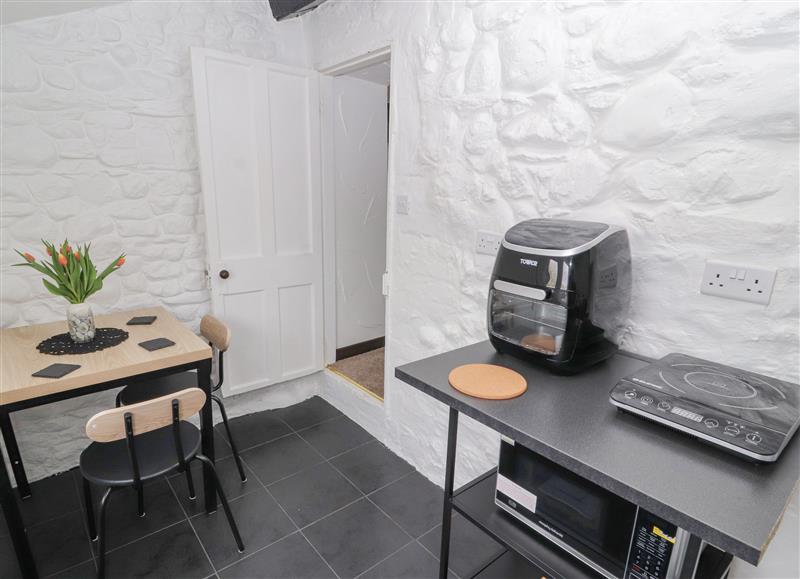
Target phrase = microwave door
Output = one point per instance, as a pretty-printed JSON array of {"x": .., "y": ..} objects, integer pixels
[{"x": 584, "y": 510}]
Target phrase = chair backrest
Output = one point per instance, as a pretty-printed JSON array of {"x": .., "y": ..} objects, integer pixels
[
  {"x": 109, "y": 425},
  {"x": 216, "y": 332}
]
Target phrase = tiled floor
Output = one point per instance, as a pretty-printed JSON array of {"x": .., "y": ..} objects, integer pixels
[{"x": 323, "y": 499}]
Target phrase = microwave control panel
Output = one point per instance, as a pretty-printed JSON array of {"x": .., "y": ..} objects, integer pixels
[{"x": 651, "y": 547}]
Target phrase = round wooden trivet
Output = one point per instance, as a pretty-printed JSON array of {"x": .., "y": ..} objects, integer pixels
[{"x": 487, "y": 381}]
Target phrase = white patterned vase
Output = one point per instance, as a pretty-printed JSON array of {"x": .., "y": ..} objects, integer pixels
[{"x": 81, "y": 323}]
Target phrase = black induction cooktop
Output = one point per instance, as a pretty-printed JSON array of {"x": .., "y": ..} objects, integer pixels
[{"x": 749, "y": 414}]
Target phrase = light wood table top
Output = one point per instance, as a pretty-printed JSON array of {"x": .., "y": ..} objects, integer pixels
[{"x": 20, "y": 358}]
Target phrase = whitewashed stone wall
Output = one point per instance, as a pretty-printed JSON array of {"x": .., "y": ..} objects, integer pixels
[
  {"x": 98, "y": 145},
  {"x": 678, "y": 120}
]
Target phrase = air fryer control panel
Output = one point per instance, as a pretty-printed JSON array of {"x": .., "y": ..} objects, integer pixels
[{"x": 651, "y": 547}]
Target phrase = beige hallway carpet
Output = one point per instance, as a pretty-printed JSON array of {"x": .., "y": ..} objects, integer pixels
[{"x": 365, "y": 370}]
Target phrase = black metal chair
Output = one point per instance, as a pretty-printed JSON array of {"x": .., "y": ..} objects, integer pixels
[
  {"x": 138, "y": 443},
  {"x": 219, "y": 336}
]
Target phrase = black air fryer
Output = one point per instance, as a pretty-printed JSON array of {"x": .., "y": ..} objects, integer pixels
[{"x": 559, "y": 292}]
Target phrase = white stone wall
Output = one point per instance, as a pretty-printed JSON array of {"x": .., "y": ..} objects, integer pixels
[
  {"x": 677, "y": 120},
  {"x": 98, "y": 145}
]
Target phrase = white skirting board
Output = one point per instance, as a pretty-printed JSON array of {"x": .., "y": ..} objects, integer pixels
[{"x": 356, "y": 404}]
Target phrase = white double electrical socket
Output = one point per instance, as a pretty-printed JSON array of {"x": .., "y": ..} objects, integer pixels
[
  {"x": 487, "y": 243},
  {"x": 738, "y": 282}
]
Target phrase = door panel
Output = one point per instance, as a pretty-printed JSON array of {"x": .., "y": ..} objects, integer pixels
[
  {"x": 245, "y": 362},
  {"x": 293, "y": 213},
  {"x": 258, "y": 136},
  {"x": 234, "y": 168},
  {"x": 297, "y": 318}
]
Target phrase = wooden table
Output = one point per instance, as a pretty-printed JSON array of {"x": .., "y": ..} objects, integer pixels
[{"x": 114, "y": 367}]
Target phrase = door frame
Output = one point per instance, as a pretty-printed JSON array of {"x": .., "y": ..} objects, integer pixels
[{"x": 328, "y": 173}]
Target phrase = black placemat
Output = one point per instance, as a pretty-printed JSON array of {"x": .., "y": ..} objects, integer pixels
[{"x": 62, "y": 344}]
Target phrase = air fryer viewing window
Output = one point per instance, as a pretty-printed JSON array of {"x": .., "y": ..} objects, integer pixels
[{"x": 532, "y": 324}]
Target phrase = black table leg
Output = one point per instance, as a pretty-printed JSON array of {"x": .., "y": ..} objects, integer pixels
[
  {"x": 207, "y": 429},
  {"x": 16, "y": 527},
  {"x": 13, "y": 455},
  {"x": 447, "y": 508}
]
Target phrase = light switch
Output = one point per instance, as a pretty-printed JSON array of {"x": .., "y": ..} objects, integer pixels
[
  {"x": 733, "y": 274},
  {"x": 402, "y": 204},
  {"x": 742, "y": 273}
]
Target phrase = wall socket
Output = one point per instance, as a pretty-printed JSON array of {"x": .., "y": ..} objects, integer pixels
[
  {"x": 738, "y": 282},
  {"x": 487, "y": 243}
]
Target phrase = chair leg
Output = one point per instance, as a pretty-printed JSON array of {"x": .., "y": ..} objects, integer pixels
[
  {"x": 224, "y": 501},
  {"x": 87, "y": 498},
  {"x": 190, "y": 482},
  {"x": 140, "y": 499},
  {"x": 101, "y": 537},
  {"x": 14, "y": 456},
  {"x": 238, "y": 460}
]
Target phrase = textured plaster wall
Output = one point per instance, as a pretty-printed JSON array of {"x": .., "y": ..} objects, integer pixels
[
  {"x": 98, "y": 144},
  {"x": 678, "y": 120},
  {"x": 360, "y": 154}
]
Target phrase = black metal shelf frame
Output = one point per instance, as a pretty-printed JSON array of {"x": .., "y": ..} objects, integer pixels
[{"x": 475, "y": 502}]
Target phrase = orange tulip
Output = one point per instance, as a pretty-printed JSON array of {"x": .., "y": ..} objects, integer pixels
[
  {"x": 77, "y": 255},
  {"x": 49, "y": 252},
  {"x": 29, "y": 258},
  {"x": 120, "y": 261},
  {"x": 69, "y": 248},
  {"x": 61, "y": 259}
]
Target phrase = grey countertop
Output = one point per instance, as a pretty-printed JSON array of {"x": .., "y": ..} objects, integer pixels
[{"x": 733, "y": 504}]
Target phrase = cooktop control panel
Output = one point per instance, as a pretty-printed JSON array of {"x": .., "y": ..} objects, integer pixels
[
  {"x": 697, "y": 418},
  {"x": 651, "y": 547}
]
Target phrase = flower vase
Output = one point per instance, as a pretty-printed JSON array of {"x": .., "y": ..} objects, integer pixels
[{"x": 81, "y": 323}]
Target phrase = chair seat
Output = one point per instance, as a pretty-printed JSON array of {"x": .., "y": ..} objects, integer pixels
[
  {"x": 108, "y": 464},
  {"x": 140, "y": 392}
]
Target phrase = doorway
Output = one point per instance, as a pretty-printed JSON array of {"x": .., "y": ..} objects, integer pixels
[{"x": 355, "y": 116}]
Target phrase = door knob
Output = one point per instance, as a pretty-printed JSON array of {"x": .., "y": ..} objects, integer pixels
[{"x": 224, "y": 274}]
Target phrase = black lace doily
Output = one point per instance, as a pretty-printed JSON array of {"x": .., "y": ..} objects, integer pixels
[{"x": 62, "y": 344}]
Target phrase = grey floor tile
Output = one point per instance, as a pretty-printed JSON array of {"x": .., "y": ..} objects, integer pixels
[
  {"x": 259, "y": 518},
  {"x": 123, "y": 523},
  {"x": 280, "y": 458},
  {"x": 335, "y": 436},
  {"x": 253, "y": 429},
  {"x": 410, "y": 562},
  {"x": 59, "y": 543},
  {"x": 470, "y": 548},
  {"x": 355, "y": 538},
  {"x": 86, "y": 570},
  {"x": 371, "y": 466},
  {"x": 313, "y": 493},
  {"x": 221, "y": 446},
  {"x": 172, "y": 552},
  {"x": 9, "y": 569},
  {"x": 413, "y": 502},
  {"x": 50, "y": 497},
  {"x": 307, "y": 413},
  {"x": 289, "y": 558},
  {"x": 512, "y": 566},
  {"x": 232, "y": 484}
]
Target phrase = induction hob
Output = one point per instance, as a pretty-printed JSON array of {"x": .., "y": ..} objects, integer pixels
[{"x": 745, "y": 413}]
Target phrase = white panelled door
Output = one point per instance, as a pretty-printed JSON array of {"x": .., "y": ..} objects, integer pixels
[{"x": 258, "y": 137}]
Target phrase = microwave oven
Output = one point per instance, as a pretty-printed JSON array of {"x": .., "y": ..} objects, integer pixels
[{"x": 613, "y": 536}]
